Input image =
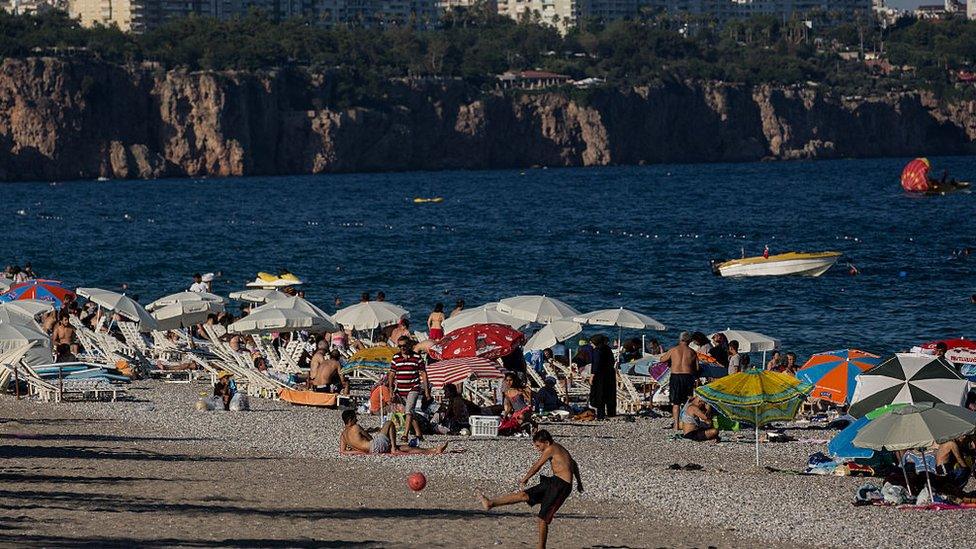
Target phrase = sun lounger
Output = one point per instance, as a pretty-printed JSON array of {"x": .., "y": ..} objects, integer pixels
[{"x": 63, "y": 389}]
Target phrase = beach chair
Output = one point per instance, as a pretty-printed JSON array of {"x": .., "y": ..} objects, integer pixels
[
  {"x": 65, "y": 389},
  {"x": 535, "y": 380},
  {"x": 256, "y": 383},
  {"x": 290, "y": 356},
  {"x": 88, "y": 341},
  {"x": 133, "y": 338},
  {"x": 628, "y": 399}
]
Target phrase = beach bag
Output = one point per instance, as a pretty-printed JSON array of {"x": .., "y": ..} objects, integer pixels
[
  {"x": 895, "y": 494},
  {"x": 239, "y": 403},
  {"x": 867, "y": 494},
  {"x": 204, "y": 405}
]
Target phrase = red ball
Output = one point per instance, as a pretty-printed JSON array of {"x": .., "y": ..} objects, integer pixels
[{"x": 416, "y": 481}]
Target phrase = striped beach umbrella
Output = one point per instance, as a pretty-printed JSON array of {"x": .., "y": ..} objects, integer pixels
[
  {"x": 456, "y": 370},
  {"x": 377, "y": 359},
  {"x": 43, "y": 290},
  {"x": 908, "y": 378},
  {"x": 756, "y": 396},
  {"x": 833, "y": 374}
]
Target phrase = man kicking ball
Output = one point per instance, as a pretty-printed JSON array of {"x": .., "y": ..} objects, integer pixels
[{"x": 552, "y": 491}]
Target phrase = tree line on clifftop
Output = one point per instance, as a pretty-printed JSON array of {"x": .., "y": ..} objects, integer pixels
[{"x": 857, "y": 57}]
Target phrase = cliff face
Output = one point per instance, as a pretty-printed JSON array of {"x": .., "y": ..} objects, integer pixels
[{"x": 70, "y": 120}]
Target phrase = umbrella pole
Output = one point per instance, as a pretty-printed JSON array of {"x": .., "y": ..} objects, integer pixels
[
  {"x": 908, "y": 485},
  {"x": 757, "y": 436},
  {"x": 928, "y": 478}
]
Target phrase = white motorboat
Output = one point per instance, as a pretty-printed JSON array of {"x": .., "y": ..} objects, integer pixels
[{"x": 788, "y": 264}]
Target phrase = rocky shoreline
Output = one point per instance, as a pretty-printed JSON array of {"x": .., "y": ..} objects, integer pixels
[{"x": 84, "y": 119}]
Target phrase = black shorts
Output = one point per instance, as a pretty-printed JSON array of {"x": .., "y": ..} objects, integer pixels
[
  {"x": 550, "y": 493},
  {"x": 682, "y": 386}
]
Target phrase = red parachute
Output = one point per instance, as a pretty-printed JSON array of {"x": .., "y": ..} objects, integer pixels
[{"x": 915, "y": 176}]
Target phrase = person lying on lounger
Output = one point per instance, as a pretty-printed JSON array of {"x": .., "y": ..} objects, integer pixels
[{"x": 355, "y": 439}]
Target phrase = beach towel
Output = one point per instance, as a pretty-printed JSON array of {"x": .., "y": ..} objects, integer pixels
[{"x": 400, "y": 453}]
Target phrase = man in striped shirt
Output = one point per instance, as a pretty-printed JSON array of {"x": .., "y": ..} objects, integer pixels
[{"x": 408, "y": 379}]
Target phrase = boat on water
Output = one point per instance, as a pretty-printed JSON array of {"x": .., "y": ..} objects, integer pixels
[
  {"x": 272, "y": 281},
  {"x": 787, "y": 264},
  {"x": 430, "y": 200}
]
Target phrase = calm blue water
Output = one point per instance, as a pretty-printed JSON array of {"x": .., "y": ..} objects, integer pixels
[{"x": 639, "y": 237}]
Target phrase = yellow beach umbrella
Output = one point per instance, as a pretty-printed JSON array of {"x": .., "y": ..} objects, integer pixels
[
  {"x": 756, "y": 396},
  {"x": 372, "y": 358}
]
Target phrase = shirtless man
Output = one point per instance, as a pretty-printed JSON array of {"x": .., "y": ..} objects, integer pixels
[
  {"x": 355, "y": 439},
  {"x": 684, "y": 370},
  {"x": 551, "y": 492},
  {"x": 325, "y": 374},
  {"x": 63, "y": 334}
]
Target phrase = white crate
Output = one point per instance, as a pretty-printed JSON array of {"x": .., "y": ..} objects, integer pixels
[{"x": 484, "y": 426}]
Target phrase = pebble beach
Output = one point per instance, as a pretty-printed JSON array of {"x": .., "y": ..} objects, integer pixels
[{"x": 154, "y": 471}]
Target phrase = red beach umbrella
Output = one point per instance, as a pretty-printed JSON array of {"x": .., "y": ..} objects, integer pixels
[
  {"x": 478, "y": 340},
  {"x": 957, "y": 343},
  {"x": 459, "y": 369}
]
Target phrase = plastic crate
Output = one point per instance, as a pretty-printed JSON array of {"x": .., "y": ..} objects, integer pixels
[{"x": 484, "y": 426}]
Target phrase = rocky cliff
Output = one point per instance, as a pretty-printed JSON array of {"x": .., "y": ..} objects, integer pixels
[{"x": 83, "y": 119}]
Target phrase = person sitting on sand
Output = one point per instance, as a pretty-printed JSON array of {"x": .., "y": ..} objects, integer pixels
[
  {"x": 325, "y": 371},
  {"x": 547, "y": 398},
  {"x": 551, "y": 492},
  {"x": 953, "y": 464},
  {"x": 456, "y": 411},
  {"x": 355, "y": 439},
  {"x": 225, "y": 388},
  {"x": 696, "y": 421}
]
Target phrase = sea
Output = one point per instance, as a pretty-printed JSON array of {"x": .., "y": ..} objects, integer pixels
[{"x": 637, "y": 237}]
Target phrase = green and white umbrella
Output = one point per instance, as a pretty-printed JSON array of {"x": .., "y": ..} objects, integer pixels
[
  {"x": 536, "y": 308},
  {"x": 908, "y": 378},
  {"x": 915, "y": 426},
  {"x": 120, "y": 304}
]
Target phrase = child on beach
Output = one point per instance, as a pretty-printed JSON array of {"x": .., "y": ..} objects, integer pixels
[{"x": 551, "y": 492}]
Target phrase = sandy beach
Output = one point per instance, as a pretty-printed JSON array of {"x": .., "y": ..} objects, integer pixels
[{"x": 154, "y": 472}]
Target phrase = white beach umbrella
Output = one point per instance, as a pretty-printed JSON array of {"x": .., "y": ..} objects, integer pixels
[
  {"x": 13, "y": 316},
  {"x": 14, "y": 335},
  {"x": 5, "y": 284},
  {"x": 480, "y": 315},
  {"x": 285, "y": 315},
  {"x": 750, "y": 342},
  {"x": 555, "y": 332},
  {"x": 180, "y": 297},
  {"x": 621, "y": 318},
  {"x": 536, "y": 308},
  {"x": 258, "y": 295},
  {"x": 120, "y": 304},
  {"x": 183, "y": 314},
  {"x": 369, "y": 315},
  {"x": 28, "y": 307}
]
